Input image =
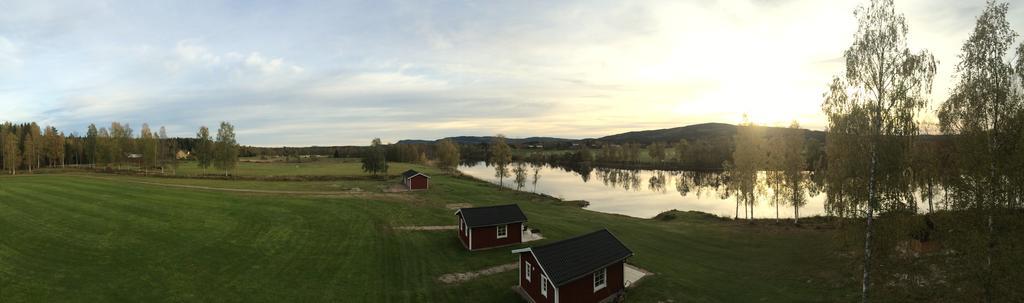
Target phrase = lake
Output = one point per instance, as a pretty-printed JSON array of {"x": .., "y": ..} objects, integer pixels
[{"x": 641, "y": 193}]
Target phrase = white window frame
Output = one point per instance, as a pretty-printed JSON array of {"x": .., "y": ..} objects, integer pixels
[
  {"x": 603, "y": 273},
  {"x": 499, "y": 229},
  {"x": 544, "y": 285},
  {"x": 529, "y": 272}
]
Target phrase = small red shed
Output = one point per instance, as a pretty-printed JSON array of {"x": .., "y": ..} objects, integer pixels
[
  {"x": 490, "y": 226},
  {"x": 589, "y": 268},
  {"x": 415, "y": 180}
]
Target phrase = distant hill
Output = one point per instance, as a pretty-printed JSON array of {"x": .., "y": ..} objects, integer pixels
[
  {"x": 487, "y": 139},
  {"x": 694, "y": 132},
  {"x": 704, "y": 131}
]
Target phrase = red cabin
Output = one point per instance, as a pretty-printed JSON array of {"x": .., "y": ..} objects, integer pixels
[
  {"x": 415, "y": 180},
  {"x": 490, "y": 226},
  {"x": 588, "y": 268}
]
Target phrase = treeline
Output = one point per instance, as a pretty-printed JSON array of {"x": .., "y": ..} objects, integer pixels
[
  {"x": 27, "y": 146},
  {"x": 700, "y": 154},
  {"x": 443, "y": 154},
  {"x": 401, "y": 152},
  {"x": 778, "y": 166}
]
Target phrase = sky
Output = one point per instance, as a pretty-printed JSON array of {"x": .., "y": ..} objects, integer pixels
[{"x": 343, "y": 72}]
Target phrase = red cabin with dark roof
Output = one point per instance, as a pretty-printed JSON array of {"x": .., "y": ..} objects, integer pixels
[
  {"x": 490, "y": 226},
  {"x": 415, "y": 180},
  {"x": 589, "y": 269}
]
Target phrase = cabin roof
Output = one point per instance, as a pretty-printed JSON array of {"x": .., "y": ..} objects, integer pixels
[
  {"x": 492, "y": 215},
  {"x": 410, "y": 173},
  {"x": 570, "y": 259}
]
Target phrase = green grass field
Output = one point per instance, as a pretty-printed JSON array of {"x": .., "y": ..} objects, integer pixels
[
  {"x": 319, "y": 167},
  {"x": 82, "y": 237}
]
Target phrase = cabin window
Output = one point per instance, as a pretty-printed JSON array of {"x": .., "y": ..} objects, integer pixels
[
  {"x": 529, "y": 272},
  {"x": 502, "y": 231},
  {"x": 544, "y": 285},
  {"x": 600, "y": 279}
]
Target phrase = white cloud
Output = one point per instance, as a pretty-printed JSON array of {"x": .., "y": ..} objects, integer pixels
[
  {"x": 189, "y": 54},
  {"x": 337, "y": 73},
  {"x": 375, "y": 83},
  {"x": 9, "y": 57},
  {"x": 266, "y": 65}
]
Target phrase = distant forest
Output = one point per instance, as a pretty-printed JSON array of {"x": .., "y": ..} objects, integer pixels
[
  {"x": 28, "y": 146},
  {"x": 695, "y": 147}
]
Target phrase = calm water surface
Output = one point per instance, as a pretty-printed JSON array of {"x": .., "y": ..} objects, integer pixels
[{"x": 642, "y": 193}]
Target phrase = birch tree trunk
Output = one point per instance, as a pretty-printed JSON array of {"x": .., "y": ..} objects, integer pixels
[{"x": 866, "y": 282}]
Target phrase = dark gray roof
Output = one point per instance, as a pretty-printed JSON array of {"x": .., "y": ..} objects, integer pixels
[
  {"x": 409, "y": 173},
  {"x": 567, "y": 260},
  {"x": 492, "y": 215}
]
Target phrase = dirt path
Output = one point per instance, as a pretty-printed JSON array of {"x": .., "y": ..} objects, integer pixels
[
  {"x": 237, "y": 190},
  {"x": 454, "y": 206},
  {"x": 441, "y": 227},
  {"x": 466, "y": 276}
]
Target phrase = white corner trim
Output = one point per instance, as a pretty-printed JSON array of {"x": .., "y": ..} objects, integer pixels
[
  {"x": 520, "y": 279},
  {"x": 541, "y": 266},
  {"x": 521, "y": 250}
]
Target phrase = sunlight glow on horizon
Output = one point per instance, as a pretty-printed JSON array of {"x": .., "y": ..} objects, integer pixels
[{"x": 330, "y": 74}]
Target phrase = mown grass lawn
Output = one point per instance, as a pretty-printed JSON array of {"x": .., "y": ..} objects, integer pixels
[
  {"x": 73, "y": 238},
  {"x": 318, "y": 167}
]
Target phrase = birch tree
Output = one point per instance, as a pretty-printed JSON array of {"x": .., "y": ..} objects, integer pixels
[
  {"x": 30, "y": 146},
  {"x": 149, "y": 147},
  {"x": 11, "y": 152},
  {"x": 448, "y": 155},
  {"x": 656, "y": 151},
  {"x": 682, "y": 149},
  {"x": 115, "y": 146},
  {"x": 774, "y": 174},
  {"x": 980, "y": 112},
  {"x": 226, "y": 148},
  {"x": 501, "y": 157},
  {"x": 105, "y": 146},
  {"x": 59, "y": 150},
  {"x": 536, "y": 175},
  {"x": 49, "y": 148},
  {"x": 91, "y": 144},
  {"x": 204, "y": 148},
  {"x": 890, "y": 82},
  {"x": 375, "y": 158},
  {"x": 793, "y": 167},
  {"x": 747, "y": 160},
  {"x": 520, "y": 175}
]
